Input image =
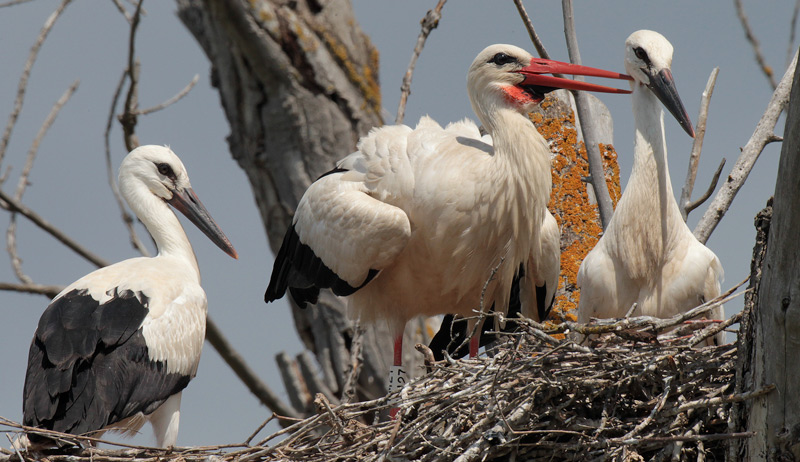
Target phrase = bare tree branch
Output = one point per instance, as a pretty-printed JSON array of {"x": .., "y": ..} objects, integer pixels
[
  {"x": 792, "y": 29},
  {"x": 762, "y": 136},
  {"x": 588, "y": 127},
  {"x": 537, "y": 42},
  {"x": 122, "y": 10},
  {"x": 429, "y": 22},
  {"x": 26, "y": 71},
  {"x": 128, "y": 118},
  {"x": 12, "y": 205},
  {"x": 11, "y": 238},
  {"x": 711, "y": 187},
  {"x": 697, "y": 146},
  {"x": 751, "y": 37},
  {"x": 13, "y": 2},
  {"x": 245, "y": 373},
  {"x": 31, "y": 288},
  {"x": 127, "y": 218},
  {"x": 356, "y": 358},
  {"x": 174, "y": 99}
]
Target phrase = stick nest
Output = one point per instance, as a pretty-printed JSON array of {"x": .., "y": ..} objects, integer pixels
[{"x": 631, "y": 396}]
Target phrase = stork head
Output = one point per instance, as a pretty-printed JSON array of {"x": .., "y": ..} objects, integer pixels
[
  {"x": 648, "y": 59},
  {"x": 162, "y": 173},
  {"x": 508, "y": 76}
]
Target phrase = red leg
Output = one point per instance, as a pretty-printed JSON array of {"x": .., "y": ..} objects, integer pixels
[
  {"x": 396, "y": 374},
  {"x": 474, "y": 345}
]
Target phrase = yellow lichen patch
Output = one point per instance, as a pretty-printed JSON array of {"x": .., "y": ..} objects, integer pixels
[
  {"x": 575, "y": 213},
  {"x": 364, "y": 77}
]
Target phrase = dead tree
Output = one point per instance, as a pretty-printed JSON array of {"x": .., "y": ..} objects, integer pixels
[
  {"x": 298, "y": 84},
  {"x": 775, "y": 319}
]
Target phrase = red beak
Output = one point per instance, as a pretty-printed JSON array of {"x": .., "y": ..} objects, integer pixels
[{"x": 539, "y": 66}]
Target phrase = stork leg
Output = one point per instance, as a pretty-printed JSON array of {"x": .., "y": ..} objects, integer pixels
[
  {"x": 474, "y": 345},
  {"x": 165, "y": 421},
  {"x": 397, "y": 376},
  {"x": 475, "y": 340}
]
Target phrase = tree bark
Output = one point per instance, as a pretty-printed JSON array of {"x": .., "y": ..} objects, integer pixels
[
  {"x": 298, "y": 83},
  {"x": 776, "y": 319}
]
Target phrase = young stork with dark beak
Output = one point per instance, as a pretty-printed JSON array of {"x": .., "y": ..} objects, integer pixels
[
  {"x": 419, "y": 220},
  {"x": 117, "y": 346},
  {"x": 648, "y": 255}
]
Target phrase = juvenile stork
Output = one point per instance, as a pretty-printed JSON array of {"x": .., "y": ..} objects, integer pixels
[
  {"x": 418, "y": 219},
  {"x": 117, "y": 346},
  {"x": 648, "y": 255}
]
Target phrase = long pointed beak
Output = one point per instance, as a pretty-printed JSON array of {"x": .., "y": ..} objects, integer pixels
[
  {"x": 663, "y": 85},
  {"x": 187, "y": 202},
  {"x": 538, "y": 66}
]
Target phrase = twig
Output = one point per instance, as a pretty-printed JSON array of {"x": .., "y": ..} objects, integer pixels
[
  {"x": 644, "y": 423},
  {"x": 792, "y": 29},
  {"x": 174, "y": 99},
  {"x": 762, "y": 136},
  {"x": 751, "y": 37},
  {"x": 128, "y": 119},
  {"x": 12, "y": 205},
  {"x": 13, "y": 2},
  {"x": 257, "y": 430},
  {"x": 688, "y": 207},
  {"x": 429, "y": 22},
  {"x": 16, "y": 449},
  {"x": 11, "y": 238},
  {"x": 26, "y": 71},
  {"x": 537, "y": 42},
  {"x": 697, "y": 146},
  {"x": 246, "y": 374},
  {"x": 127, "y": 218},
  {"x": 122, "y": 10},
  {"x": 350, "y": 383},
  {"x": 708, "y": 402},
  {"x": 588, "y": 126}
]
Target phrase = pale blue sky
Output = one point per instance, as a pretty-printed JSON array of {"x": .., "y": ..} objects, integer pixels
[{"x": 69, "y": 183}]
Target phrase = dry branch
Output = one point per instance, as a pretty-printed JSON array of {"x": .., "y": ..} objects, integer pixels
[
  {"x": 763, "y": 135},
  {"x": 537, "y": 42},
  {"x": 26, "y": 71},
  {"x": 697, "y": 147},
  {"x": 429, "y": 22},
  {"x": 11, "y": 232},
  {"x": 751, "y": 37},
  {"x": 588, "y": 128}
]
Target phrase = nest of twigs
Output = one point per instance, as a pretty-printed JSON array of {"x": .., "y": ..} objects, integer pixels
[{"x": 635, "y": 394}]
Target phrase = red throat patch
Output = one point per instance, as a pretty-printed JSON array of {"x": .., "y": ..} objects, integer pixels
[{"x": 518, "y": 96}]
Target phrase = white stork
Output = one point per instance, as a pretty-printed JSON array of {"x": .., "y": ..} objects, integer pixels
[
  {"x": 648, "y": 255},
  {"x": 532, "y": 295},
  {"x": 416, "y": 221},
  {"x": 117, "y": 346}
]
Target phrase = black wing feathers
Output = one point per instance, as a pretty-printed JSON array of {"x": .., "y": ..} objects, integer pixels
[
  {"x": 300, "y": 270},
  {"x": 88, "y": 365},
  {"x": 453, "y": 332}
]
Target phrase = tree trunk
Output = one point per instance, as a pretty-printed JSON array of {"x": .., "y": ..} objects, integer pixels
[
  {"x": 775, "y": 321},
  {"x": 298, "y": 84}
]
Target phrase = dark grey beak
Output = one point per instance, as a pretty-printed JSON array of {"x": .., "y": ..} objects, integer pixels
[
  {"x": 187, "y": 203},
  {"x": 663, "y": 85}
]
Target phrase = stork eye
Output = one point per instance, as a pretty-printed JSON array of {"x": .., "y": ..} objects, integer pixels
[
  {"x": 165, "y": 170},
  {"x": 641, "y": 54},
  {"x": 502, "y": 58}
]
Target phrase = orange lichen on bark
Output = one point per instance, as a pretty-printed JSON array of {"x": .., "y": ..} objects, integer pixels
[{"x": 570, "y": 203}]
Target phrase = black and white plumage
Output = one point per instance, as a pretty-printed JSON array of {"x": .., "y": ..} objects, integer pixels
[
  {"x": 117, "y": 346},
  {"x": 416, "y": 221}
]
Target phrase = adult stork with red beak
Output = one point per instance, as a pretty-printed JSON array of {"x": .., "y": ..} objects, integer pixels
[{"x": 431, "y": 220}]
